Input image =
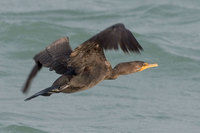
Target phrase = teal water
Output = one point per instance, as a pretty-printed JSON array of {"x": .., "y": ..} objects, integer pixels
[{"x": 161, "y": 100}]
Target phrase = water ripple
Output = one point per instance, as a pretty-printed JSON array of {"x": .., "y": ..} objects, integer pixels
[{"x": 20, "y": 129}]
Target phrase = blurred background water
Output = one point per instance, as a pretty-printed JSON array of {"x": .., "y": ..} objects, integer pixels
[{"x": 160, "y": 100}]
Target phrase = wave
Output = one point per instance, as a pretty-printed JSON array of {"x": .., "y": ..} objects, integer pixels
[
  {"x": 20, "y": 129},
  {"x": 171, "y": 45}
]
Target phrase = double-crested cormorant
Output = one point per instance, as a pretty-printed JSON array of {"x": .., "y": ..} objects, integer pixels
[{"x": 87, "y": 65}]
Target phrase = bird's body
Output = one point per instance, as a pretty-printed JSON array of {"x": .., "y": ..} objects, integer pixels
[
  {"x": 86, "y": 75},
  {"x": 87, "y": 65}
]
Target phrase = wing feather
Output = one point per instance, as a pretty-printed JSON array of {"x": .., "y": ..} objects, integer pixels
[
  {"x": 114, "y": 36},
  {"x": 55, "y": 56}
]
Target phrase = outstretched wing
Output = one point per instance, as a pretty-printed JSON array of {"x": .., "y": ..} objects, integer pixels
[
  {"x": 114, "y": 36},
  {"x": 55, "y": 56}
]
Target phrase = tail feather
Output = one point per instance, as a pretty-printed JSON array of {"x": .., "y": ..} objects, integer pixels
[{"x": 45, "y": 92}]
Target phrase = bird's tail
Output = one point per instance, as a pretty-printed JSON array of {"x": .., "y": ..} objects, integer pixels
[{"x": 45, "y": 92}]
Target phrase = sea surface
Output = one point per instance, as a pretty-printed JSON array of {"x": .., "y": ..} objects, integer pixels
[{"x": 165, "y": 99}]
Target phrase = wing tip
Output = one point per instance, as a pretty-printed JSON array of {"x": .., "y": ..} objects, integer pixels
[
  {"x": 117, "y": 36},
  {"x": 24, "y": 90}
]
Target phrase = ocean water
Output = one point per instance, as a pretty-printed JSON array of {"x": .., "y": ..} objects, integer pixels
[{"x": 165, "y": 99}]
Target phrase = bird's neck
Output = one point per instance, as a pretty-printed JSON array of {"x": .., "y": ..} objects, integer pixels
[
  {"x": 123, "y": 68},
  {"x": 114, "y": 74}
]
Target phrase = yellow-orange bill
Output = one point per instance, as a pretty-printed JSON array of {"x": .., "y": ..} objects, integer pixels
[{"x": 147, "y": 65}]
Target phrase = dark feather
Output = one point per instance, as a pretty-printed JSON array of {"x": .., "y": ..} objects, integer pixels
[
  {"x": 116, "y": 35},
  {"x": 33, "y": 73},
  {"x": 45, "y": 92},
  {"x": 55, "y": 56}
]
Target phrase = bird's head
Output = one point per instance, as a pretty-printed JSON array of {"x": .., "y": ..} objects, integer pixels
[
  {"x": 132, "y": 67},
  {"x": 139, "y": 66}
]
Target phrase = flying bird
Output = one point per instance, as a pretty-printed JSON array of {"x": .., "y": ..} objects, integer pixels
[{"x": 86, "y": 65}]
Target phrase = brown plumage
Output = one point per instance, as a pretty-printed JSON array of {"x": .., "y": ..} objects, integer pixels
[{"x": 86, "y": 66}]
